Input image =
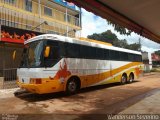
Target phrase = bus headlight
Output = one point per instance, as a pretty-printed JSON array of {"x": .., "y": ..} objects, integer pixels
[{"x": 38, "y": 81}]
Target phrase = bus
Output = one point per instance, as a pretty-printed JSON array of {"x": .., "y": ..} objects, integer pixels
[{"x": 54, "y": 63}]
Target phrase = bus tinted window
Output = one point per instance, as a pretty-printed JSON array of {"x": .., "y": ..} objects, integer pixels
[
  {"x": 72, "y": 50},
  {"x": 138, "y": 58},
  {"x": 92, "y": 53},
  {"x": 130, "y": 57},
  {"x": 114, "y": 55},
  {"x": 123, "y": 56},
  {"x": 99, "y": 53},
  {"x": 106, "y": 54},
  {"x": 53, "y": 55}
]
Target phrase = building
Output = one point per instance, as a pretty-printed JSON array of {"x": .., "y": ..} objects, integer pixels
[
  {"x": 44, "y": 16},
  {"x": 23, "y": 19},
  {"x": 147, "y": 61},
  {"x": 156, "y": 60}
]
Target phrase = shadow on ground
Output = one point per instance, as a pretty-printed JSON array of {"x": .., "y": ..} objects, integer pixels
[
  {"x": 112, "y": 101},
  {"x": 30, "y": 97}
]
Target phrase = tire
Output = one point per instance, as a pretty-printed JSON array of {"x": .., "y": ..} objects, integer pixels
[
  {"x": 123, "y": 79},
  {"x": 72, "y": 86},
  {"x": 131, "y": 78}
]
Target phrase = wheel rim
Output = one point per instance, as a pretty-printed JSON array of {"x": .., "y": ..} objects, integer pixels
[
  {"x": 72, "y": 86},
  {"x": 123, "y": 79},
  {"x": 130, "y": 78}
]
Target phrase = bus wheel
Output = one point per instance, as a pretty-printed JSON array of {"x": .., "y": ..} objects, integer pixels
[
  {"x": 124, "y": 79},
  {"x": 131, "y": 78},
  {"x": 72, "y": 86}
]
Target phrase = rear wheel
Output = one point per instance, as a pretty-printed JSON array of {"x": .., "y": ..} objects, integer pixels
[
  {"x": 72, "y": 86},
  {"x": 124, "y": 79},
  {"x": 131, "y": 78}
]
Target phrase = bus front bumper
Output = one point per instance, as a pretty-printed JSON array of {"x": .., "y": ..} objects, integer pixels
[{"x": 41, "y": 88}]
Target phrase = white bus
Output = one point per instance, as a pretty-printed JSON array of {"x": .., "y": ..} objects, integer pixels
[{"x": 54, "y": 63}]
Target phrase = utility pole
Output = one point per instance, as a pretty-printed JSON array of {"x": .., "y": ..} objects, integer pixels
[
  {"x": 140, "y": 49},
  {"x": 39, "y": 12},
  {"x": 67, "y": 20},
  {"x": 140, "y": 42}
]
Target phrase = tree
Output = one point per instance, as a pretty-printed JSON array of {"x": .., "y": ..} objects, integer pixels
[
  {"x": 157, "y": 52},
  {"x": 134, "y": 46},
  {"x": 107, "y": 36},
  {"x": 122, "y": 30},
  {"x": 110, "y": 37}
]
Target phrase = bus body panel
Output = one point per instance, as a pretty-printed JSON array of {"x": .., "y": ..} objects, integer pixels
[{"x": 90, "y": 72}]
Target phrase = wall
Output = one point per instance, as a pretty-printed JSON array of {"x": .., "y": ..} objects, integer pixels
[{"x": 6, "y": 52}]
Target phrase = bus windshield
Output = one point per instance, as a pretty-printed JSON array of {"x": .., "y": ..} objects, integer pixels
[{"x": 32, "y": 54}]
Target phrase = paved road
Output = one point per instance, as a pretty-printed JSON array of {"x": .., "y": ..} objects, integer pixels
[{"x": 89, "y": 102}]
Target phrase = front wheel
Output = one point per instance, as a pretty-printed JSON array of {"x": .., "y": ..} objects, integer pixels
[{"x": 72, "y": 86}]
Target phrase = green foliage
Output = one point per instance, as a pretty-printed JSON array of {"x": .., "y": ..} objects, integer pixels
[
  {"x": 157, "y": 52},
  {"x": 110, "y": 37},
  {"x": 122, "y": 30},
  {"x": 107, "y": 36}
]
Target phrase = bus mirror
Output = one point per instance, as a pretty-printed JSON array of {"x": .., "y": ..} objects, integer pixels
[
  {"x": 47, "y": 51},
  {"x": 14, "y": 55}
]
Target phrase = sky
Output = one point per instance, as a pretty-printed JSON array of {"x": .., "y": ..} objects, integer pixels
[{"x": 95, "y": 24}]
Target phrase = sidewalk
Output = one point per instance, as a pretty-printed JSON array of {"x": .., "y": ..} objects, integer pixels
[
  {"x": 5, "y": 93},
  {"x": 149, "y": 105}
]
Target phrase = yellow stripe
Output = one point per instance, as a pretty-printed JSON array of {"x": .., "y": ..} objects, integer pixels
[
  {"x": 95, "y": 41},
  {"x": 95, "y": 78}
]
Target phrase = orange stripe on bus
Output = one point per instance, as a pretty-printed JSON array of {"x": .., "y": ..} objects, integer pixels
[{"x": 95, "y": 78}]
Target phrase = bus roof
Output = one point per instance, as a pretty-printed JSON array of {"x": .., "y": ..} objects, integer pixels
[{"x": 79, "y": 41}]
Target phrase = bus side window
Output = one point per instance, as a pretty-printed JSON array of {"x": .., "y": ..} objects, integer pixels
[
  {"x": 62, "y": 50},
  {"x": 112, "y": 55},
  {"x": 85, "y": 52},
  {"x": 72, "y": 50},
  {"x": 106, "y": 54},
  {"x": 123, "y": 56},
  {"x": 131, "y": 57},
  {"x": 100, "y": 53}
]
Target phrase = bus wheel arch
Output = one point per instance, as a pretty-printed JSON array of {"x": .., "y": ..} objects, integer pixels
[
  {"x": 124, "y": 78},
  {"x": 73, "y": 84},
  {"x": 131, "y": 77}
]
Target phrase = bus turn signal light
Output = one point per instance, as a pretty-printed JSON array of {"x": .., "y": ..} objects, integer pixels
[{"x": 36, "y": 81}]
